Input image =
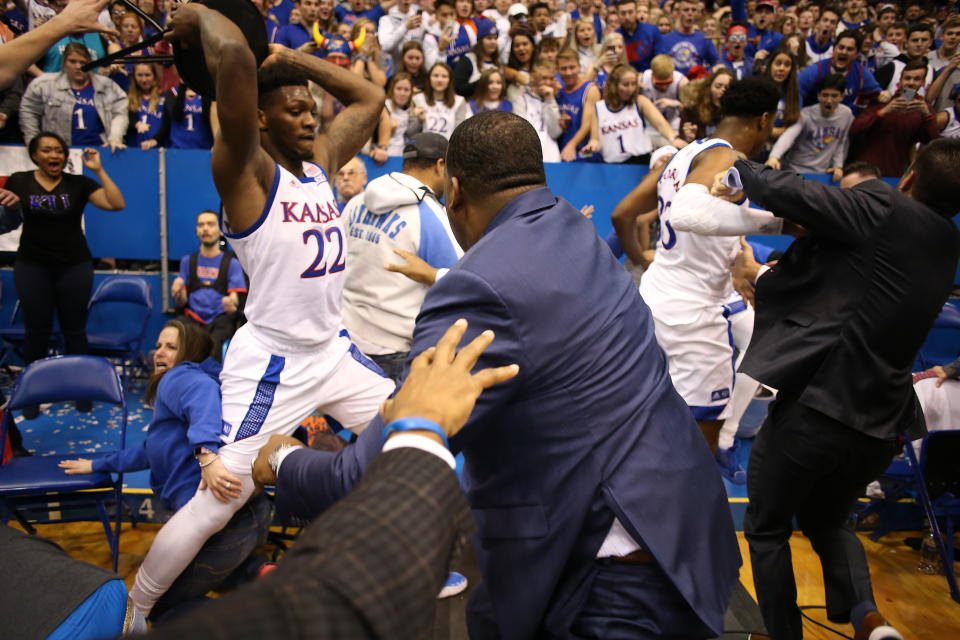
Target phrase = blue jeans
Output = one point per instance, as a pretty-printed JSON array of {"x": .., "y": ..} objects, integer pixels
[{"x": 227, "y": 552}]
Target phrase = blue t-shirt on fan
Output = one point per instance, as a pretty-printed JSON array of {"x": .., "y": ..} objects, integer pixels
[
  {"x": 346, "y": 16},
  {"x": 87, "y": 126},
  {"x": 571, "y": 103},
  {"x": 688, "y": 50},
  {"x": 206, "y": 304},
  {"x": 193, "y": 132},
  {"x": 152, "y": 118}
]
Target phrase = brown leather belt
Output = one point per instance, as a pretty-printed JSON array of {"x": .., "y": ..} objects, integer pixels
[{"x": 637, "y": 557}]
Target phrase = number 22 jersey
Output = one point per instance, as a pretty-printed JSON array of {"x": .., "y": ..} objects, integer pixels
[{"x": 295, "y": 257}]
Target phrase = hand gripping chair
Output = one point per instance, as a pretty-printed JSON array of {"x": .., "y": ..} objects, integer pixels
[
  {"x": 110, "y": 336},
  {"x": 33, "y": 489},
  {"x": 937, "y": 480}
]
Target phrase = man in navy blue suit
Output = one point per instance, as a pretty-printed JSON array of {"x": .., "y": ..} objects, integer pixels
[{"x": 600, "y": 511}]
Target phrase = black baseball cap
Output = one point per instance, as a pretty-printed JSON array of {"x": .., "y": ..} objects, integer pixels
[{"x": 427, "y": 145}]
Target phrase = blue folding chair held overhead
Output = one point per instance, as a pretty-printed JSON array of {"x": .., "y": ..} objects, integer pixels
[
  {"x": 112, "y": 331},
  {"x": 34, "y": 490}
]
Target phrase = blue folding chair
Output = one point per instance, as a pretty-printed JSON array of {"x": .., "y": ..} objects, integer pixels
[
  {"x": 111, "y": 337},
  {"x": 34, "y": 489},
  {"x": 937, "y": 480},
  {"x": 13, "y": 337}
]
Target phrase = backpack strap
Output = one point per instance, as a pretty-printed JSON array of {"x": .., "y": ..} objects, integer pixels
[
  {"x": 193, "y": 283},
  {"x": 220, "y": 284}
]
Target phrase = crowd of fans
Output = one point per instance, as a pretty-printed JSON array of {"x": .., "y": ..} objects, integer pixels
[{"x": 442, "y": 61}]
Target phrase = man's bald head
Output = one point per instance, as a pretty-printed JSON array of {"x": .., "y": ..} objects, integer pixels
[
  {"x": 495, "y": 151},
  {"x": 351, "y": 179}
]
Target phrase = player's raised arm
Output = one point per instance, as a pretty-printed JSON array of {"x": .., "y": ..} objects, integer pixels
[
  {"x": 241, "y": 171},
  {"x": 363, "y": 102}
]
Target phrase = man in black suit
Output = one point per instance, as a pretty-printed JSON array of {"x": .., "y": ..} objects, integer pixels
[
  {"x": 840, "y": 319},
  {"x": 372, "y": 565}
]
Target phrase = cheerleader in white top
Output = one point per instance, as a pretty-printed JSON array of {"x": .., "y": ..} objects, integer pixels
[
  {"x": 439, "y": 109},
  {"x": 618, "y": 123}
]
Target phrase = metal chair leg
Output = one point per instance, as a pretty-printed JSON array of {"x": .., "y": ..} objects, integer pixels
[{"x": 924, "y": 497}]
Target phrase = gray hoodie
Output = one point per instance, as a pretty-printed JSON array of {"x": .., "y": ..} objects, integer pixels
[
  {"x": 395, "y": 211},
  {"x": 815, "y": 142}
]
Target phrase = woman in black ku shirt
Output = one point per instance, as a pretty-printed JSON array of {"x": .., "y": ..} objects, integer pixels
[{"x": 54, "y": 269}]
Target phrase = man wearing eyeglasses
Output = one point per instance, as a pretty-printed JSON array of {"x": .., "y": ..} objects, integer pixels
[
  {"x": 734, "y": 55},
  {"x": 350, "y": 181}
]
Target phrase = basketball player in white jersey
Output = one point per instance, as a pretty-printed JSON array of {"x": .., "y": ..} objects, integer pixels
[
  {"x": 293, "y": 355},
  {"x": 689, "y": 280}
]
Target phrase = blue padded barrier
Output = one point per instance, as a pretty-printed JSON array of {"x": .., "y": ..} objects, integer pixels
[{"x": 133, "y": 233}]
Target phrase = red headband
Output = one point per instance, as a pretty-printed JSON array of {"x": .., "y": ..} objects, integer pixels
[{"x": 736, "y": 27}]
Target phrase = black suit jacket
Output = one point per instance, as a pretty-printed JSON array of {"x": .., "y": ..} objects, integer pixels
[
  {"x": 370, "y": 567},
  {"x": 841, "y": 317}
]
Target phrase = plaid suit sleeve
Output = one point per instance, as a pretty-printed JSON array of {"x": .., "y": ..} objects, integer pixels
[{"x": 370, "y": 567}]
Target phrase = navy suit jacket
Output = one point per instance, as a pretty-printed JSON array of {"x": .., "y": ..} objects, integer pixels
[{"x": 590, "y": 429}]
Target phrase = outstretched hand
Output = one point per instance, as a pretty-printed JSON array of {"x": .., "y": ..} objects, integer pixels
[
  {"x": 84, "y": 16},
  {"x": 440, "y": 387},
  {"x": 416, "y": 269},
  {"x": 80, "y": 466},
  {"x": 91, "y": 159}
]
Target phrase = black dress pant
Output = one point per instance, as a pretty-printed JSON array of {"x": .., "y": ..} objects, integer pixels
[
  {"x": 807, "y": 465},
  {"x": 44, "y": 289}
]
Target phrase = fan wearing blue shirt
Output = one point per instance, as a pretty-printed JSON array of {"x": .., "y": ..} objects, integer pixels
[
  {"x": 52, "y": 60},
  {"x": 279, "y": 12},
  {"x": 180, "y": 451},
  {"x": 766, "y": 39},
  {"x": 687, "y": 46},
  {"x": 210, "y": 283},
  {"x": 294, "y": 36},
  {"x": 861, "y": 85},
  {"x": 350, "y": 14},
  {"x": 641, "y": 39},
  {"x": 146, "y": 107}
]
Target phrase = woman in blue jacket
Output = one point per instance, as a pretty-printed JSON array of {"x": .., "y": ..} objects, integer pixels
[{"x": 185, "y": 392}]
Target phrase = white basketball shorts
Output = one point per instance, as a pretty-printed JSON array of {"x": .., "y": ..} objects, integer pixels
[
  {"x": 700, "y": 357},
  {"x": 264, "y": 393}
]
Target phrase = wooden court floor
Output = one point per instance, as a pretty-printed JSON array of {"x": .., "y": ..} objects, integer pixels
[{"x": 918, "y": 605}]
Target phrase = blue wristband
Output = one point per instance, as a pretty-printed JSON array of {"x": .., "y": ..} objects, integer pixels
[{"x": 415, "y": 424}]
